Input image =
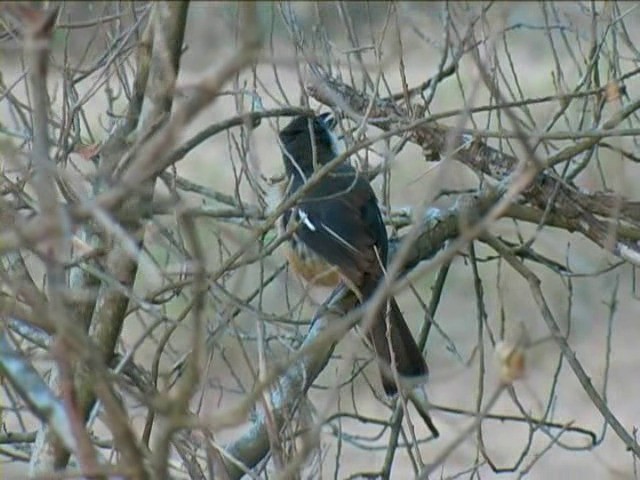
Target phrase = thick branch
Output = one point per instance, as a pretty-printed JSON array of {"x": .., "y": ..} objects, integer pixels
[
  {"x": 250, "y": 449},
  {"x": 438, "y": 227},
  {"x": 438, "y": 141}
]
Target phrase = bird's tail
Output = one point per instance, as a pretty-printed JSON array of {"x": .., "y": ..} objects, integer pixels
[
  {"x": 402, "y": 366},
  {"x": 398, "y": 354}
]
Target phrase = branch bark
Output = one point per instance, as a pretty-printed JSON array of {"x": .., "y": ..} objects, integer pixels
[
  {"x": 576, "y": 207},
  {"x": 437, "y": 228}
]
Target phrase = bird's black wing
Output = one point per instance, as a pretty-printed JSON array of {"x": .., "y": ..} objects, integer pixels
[{"x": 341, "y": 222}]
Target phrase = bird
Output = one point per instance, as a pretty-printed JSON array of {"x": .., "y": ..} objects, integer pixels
[{"x": 340, "y": 236}]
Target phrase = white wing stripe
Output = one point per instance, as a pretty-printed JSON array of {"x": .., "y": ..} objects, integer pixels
[
  {"x": 304, "y": 218},
  {"x": 306, "y": 221}
]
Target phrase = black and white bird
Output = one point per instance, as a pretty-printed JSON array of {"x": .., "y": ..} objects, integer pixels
[{"x": 340, "y": 236}]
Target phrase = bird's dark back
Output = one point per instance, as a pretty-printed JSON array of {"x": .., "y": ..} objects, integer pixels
[{"x": 340, "y": 191}]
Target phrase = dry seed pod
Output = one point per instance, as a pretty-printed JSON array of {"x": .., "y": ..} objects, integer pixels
[{"x": 512, "y": 362}]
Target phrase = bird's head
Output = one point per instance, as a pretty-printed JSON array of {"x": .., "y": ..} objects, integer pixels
[{"x": 299, "y": 138}]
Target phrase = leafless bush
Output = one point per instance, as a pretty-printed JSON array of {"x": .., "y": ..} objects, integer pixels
[{"x": 151, "y": 326}]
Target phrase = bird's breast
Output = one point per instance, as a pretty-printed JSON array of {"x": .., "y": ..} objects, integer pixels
[{"x": 311, "y": 266}]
